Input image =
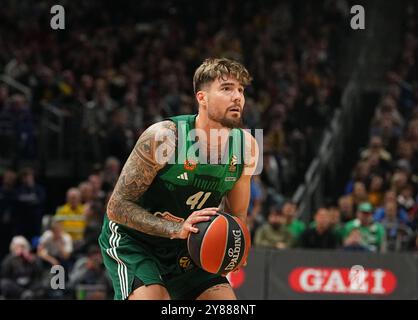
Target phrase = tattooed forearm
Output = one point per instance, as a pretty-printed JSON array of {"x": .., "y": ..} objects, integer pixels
[
  {"x": 137, "y": 175},
  {"x": 136, "y": 217}
]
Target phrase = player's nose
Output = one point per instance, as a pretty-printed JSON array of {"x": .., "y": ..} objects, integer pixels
[{"x": 237, "y": 96}]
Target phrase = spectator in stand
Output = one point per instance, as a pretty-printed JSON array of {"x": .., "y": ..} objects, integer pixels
[
  {"x": 406, "y": 157},
  {"x": 373, "y": 233},
  {"x": 93, "y": 212},
  {"x": 405, "y": 153},
  {"x": 30, "y": 200},
  {"x": 71, "y": 215},
  {"x": 376, "y": 147},
  {"x": 20, "y": 272},
  {"x": 407, "y": 202},
  {"x": 86, "y": 192},
  {"x": 398, "y": 234},
  {"x": 387, "y": 109},
  {"x": 335, "y": 223},
  {"x": 390, "y": 195},
  {"x": 412, "y": 133},
  {"x": 7, "y": 209},
  {"x": 55, "y": 246},
  {"x": 391, "y": 214},
  {"x": 391, "y": 204},
  {"x": 295, "y": 226},
  {"x": 379, "y": 166},
  {"x": 88, "y": 278},
  {"x": 400, "y": 179},
  {"x": 375, "y": 195},
  {"x": 321, "y": 236},
  {"x": 274, "y": 233},
  {"x": 354, "y": 242},
  {"x": 389, "y": 131},
  {"x": 111, "y": 173},
  {"x": 346, "y": 205},
  {"x": 96, "y": 179},
  {"x": 360, "y": 174},
  {"x": 359, "y": 194}
]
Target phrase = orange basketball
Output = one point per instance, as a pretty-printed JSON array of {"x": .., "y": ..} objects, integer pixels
[{"x": 221, "y": 245}]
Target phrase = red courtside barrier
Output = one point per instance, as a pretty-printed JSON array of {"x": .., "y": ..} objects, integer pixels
[{"x": 326, "y": 274}]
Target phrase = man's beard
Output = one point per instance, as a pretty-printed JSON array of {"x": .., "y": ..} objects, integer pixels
[{"x": 225, "y": 121}]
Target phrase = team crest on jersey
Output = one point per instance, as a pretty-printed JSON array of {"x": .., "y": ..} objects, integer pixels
[
  {"x": 233, "y": 163},
  {"x": 185, "y": 263},
  {"x": 190, "y": 165},
  {"x": 168, "y": 216}
]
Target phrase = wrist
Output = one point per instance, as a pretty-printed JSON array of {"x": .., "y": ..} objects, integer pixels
[{"x": 174, "y": 233}]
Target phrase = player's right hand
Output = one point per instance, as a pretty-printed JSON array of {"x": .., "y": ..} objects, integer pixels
[{"x": 194, "y": 218}]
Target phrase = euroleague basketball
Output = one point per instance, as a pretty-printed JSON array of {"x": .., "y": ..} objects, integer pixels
[{"x": 221, "y": 245}]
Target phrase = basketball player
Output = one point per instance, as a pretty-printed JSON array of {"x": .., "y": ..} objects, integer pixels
[{"x": 157, "y": 202}]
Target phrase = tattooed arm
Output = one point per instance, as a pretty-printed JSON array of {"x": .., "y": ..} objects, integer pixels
[
  {"x": 150, "y": 154},
  {"x": 137, "y": 175}
]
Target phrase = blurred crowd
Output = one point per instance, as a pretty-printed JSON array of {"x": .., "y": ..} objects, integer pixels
[
  {"x": 117, "y": 69},
  {"x": 33, "y": 241},
  {"x": 378, "y": 211}
]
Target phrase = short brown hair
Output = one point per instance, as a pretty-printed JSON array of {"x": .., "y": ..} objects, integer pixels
[{"x": 214, "y": 68}]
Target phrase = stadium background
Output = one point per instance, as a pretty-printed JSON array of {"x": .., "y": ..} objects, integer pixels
[{"x": 339, "y": 109}]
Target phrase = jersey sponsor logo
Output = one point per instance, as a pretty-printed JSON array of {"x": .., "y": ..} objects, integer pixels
[
  {"x": 190, "y": 165},
  {"x": 229, "y": 179},
  {"x": 183, "y": 176},
  {"x": 233, "y": 163},
  {"x": 168, "y": 216},
  {"x": 342, "y": 281}
]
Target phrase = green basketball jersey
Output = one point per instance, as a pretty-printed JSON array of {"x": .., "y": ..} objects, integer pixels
[{"x": 186, "y": 184}]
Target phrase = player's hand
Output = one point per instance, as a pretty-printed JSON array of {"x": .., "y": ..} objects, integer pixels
[{"x": 194, "y": 218}]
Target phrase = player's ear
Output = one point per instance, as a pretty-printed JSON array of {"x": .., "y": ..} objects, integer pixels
[{"x": 201, "y": 98}]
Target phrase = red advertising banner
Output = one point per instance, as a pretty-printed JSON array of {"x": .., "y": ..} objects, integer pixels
[
  {"x": 322, "y": 274},
  {"x": 340, "y": 280}
]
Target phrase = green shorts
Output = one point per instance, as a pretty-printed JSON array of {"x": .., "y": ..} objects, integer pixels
[{"x": 127, "y": 259}]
